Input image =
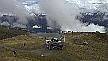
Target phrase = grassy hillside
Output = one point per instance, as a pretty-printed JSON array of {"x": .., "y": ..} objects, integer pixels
[
  {"x": 74, "y": 49},
  {"x": 6, "y": 32},
  {"x": 96, "y": 50}
]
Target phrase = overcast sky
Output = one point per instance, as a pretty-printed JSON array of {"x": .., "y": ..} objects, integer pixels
[
  {"x": 30, "y": 5},
  {"x": 88, "y": 4}
]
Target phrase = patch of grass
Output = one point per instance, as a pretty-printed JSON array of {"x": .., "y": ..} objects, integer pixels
[
  {"x": 95, "y": 50},
  {"x": 7, "y": 32},
  {"x": 23, "y": 42},
  {"x": 74, "y": 50}
]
